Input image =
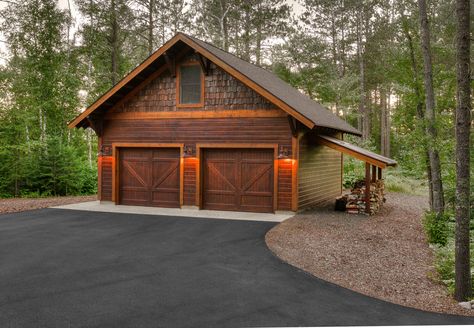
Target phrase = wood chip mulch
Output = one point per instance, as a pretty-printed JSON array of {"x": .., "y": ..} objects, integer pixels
[
  {"x": 385, "y": 256},
  {"x": 11, "y": 205}
]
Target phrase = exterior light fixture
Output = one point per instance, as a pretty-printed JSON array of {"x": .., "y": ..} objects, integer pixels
[
  {"x": 188, "y": 151},
  {"x": 105, "y": 151},
  {"x": 283, "y": 153}
]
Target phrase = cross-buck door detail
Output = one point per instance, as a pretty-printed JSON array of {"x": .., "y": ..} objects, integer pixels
[{"x": 149, "y": 176}]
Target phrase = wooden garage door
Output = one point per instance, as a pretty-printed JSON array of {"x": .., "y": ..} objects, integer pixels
[
  {"x": 149, "y": 176},
  {"x": 238, "y": 180}
]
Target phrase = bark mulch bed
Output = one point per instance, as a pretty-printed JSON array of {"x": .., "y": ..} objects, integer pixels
[
  {"x": 384, "y": 256},
  {"x": 11, "y": 205}
]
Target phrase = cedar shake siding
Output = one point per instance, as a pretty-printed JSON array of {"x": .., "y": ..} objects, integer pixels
[
  {"x": 221, "y": 92},
  {"x": 319, "y": 173}
]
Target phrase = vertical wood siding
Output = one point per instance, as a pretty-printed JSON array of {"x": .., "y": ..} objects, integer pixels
[{"x": 319, "y": 173}]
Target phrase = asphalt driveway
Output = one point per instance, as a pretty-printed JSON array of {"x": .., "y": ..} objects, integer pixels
[{"x": 65, "y": 268}]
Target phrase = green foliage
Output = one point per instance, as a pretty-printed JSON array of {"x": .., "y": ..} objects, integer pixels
[
  {"x": 445, "y": 263},
  {"x": 39, "y": 156},
  {"x": 437, "y": 228},
  {"x": 353, "y": 171}
]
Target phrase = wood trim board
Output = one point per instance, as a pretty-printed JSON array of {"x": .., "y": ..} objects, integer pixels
[{"x": 197, "y": 114}]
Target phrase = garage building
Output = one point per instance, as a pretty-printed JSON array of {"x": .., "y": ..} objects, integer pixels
[{"x": 196, "y": 126}]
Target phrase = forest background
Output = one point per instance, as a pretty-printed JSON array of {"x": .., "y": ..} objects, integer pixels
[{"x": 362, "y": 59}]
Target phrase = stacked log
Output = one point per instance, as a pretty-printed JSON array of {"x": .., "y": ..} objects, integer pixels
[{"x": 356, "y": 202}]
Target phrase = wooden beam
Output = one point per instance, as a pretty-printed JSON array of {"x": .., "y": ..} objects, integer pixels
[
  {"x": 380, "y": 173},
  {"x": 170, "y": 64},
  {"x": 96, "y": 124},
  {"x": 293, "y": 126},
  {"x": 374, "y": 173},
  {"x": 367, "y": 188},
  {"x": 205, "y": 64},
  {"x": 198, "y": 114}
]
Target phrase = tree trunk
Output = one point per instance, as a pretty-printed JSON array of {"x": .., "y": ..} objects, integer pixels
[
  {"x": 151, "y": 5},
  {"x": 246, "y": 38},
  {"x": 224, "y": 29},
  {"x": 463, "y": 121},
  {"x": 363, "y": 122},
  {"x": 437, "y": 184},
  {"x": 258, "y": 46},
  {"x": 42, "y": 124},
  {"x": 114, "y": 44},
  {"x": 385, "y": 123}
]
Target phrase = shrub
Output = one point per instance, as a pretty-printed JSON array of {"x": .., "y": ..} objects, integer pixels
[
  {"x": 437, "y": 228},
  {"x": 445, "y": 264}
]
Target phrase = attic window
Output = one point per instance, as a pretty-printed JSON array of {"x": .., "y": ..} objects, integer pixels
[{"x": 190, "y": 85}]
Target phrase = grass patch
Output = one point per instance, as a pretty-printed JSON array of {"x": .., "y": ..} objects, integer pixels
[{"x": 395, "y": 181}]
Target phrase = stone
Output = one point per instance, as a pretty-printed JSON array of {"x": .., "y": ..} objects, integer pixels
[{"x": 466, "y": 305}]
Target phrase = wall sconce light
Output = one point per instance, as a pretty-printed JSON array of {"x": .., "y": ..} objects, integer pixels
[
  {"x": 188, "y": 151},
  {"x": 105, "y": 151},
  {"x": 283, "y": 153}
]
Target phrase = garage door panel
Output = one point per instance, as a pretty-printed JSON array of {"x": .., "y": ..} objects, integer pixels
[
  {"x": 150, "y": 176},
  {"x": 218, "y": 200},
  {"x": 134, "y": 197},
  {"x": 165, "y": 173},
  {"x": 135, "y": 173},
  {"x": 165, "y": 197},
  {"x": 238, "y": 179},
  {"x": 221, "y": 175},
  {"x": 257, "y": 177}
]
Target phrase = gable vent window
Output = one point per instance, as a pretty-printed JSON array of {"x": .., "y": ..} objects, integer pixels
[{"x": 190, "y": 85}]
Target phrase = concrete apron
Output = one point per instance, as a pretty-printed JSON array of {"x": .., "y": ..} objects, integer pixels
[{"x": 191, "y": 212}]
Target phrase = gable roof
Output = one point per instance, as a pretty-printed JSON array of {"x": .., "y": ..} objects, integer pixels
[{"x": 265, "y": 83}]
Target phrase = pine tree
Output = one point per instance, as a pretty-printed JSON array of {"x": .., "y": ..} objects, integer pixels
[{"x": 463, "y": 288}]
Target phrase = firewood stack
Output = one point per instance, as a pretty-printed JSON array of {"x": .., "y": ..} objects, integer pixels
[{"x": 355, "y": 201}]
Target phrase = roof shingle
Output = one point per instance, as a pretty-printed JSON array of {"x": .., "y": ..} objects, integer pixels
[{"x": 301, "y": 103}]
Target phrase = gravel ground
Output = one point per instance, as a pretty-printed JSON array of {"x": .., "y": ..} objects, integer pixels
[
  {"x": 10, "y": 205},
  {"x": 384, "y": 256}
]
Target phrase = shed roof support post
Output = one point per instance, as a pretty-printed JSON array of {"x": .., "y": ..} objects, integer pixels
[
  {"x": 367, "y": 188},
  {"x": 380, "y": 173},
  {"x": 374, "y": 173}
]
